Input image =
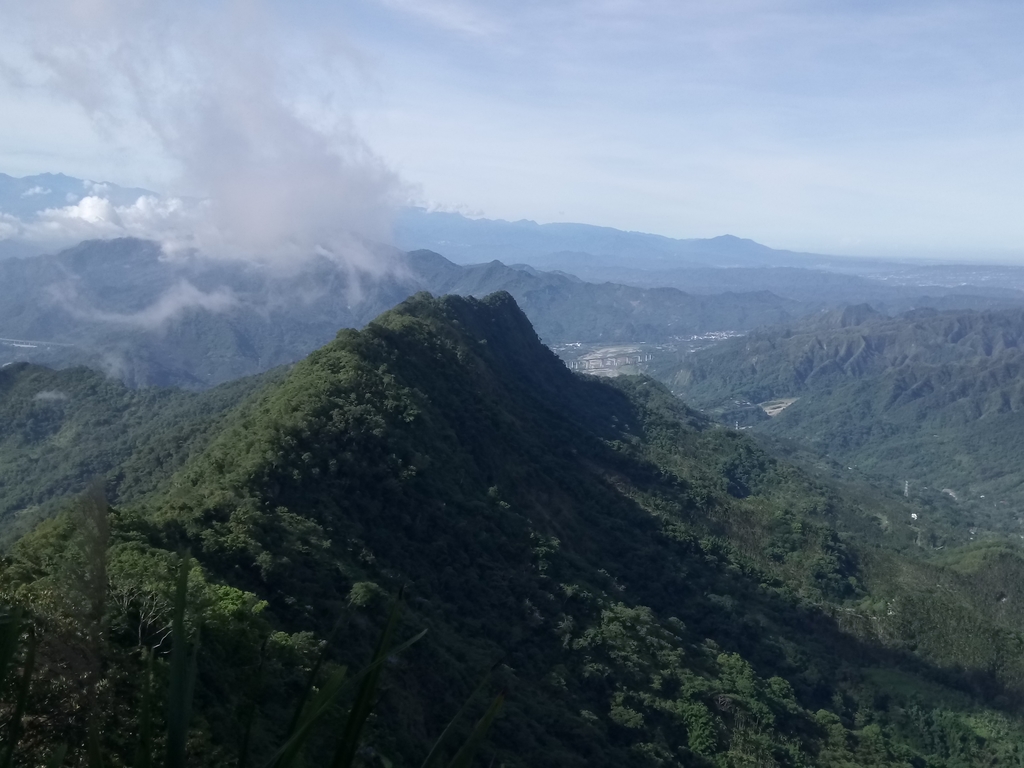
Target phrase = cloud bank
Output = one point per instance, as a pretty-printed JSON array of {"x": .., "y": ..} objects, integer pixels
[
  {"x": 252, "y": 114},
  {"x": 168, "y": 220}
]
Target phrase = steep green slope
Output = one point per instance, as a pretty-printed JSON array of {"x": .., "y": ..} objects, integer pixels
[
  {"x": 936, "y": 399},
  {"x": 61, "y": 429},
  {"x": 656, "y": 590}
]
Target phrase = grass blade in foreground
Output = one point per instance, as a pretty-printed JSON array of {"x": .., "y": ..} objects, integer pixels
[
  {"x": 20, "y": 703},
  {"x": 57, "y": 758},
  {"x": 311, "y": 679},
  {"x": 253, "y": 710},
  {"x": 436, "y": 749},
  {"x": 323, "y": 701},
  {"x": 94, "y": 753},
  {"x": 144, "y": 752},
  {"x": 465, "y": 755},
  {"x": 10, "y": 639},
  {"x": 349, "y": 741},
  {"x": 320, "y": 707},
  {"x": 179, "y": 700}
]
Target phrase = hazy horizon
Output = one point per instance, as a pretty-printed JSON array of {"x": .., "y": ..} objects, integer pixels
[{"x": 889, "y": 131}]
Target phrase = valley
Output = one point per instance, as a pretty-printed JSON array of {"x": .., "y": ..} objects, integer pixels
[
  {"x": 680, "y": 529},
  {"x": 120, "y": 307},
  {"x": 926, "y": 400},
  {"x": 651, "y": 586},
  {"x": 454, "y": 384},
  {"x": 631, "y": 359}
]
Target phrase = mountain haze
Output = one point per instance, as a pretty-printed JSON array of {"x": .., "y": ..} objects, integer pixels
[
  {"x": 713, "y": 265},
  {"x": 468, "y": 240},
  {"x": 125, "y": 307}
]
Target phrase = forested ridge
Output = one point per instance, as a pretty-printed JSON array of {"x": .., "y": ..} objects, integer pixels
[
  {"x": 649, "y": 587},
  {"x": 60, "y": 429},
  {"x": 124, "y": 307},
  {"x": 934, "y": 399}
]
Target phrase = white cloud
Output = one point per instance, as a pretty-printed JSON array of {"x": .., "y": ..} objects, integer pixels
[
  {"x": 36, "y": 190},
  {"x": 171, "y": 222},
  {"x": 224, "y": 91},
  {"x": 10, "y": 226},
  {"x": 803, "y": 125},
  {"x": 178, "y": 299},
  {"x": 50, "y": 395},
  {"x": 449, "y": 15}
]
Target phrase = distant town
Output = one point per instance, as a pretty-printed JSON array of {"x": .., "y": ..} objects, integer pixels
[
  {"x": 631, "y": 357},
  {"x": 609, "y": 358}
]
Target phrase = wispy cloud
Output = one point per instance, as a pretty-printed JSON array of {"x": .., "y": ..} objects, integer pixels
[
  {"x": 180, "y": 298},
  {"x": 50, "y": 395},
  {"x": 806, "y": 125},
  {"x": 225, "y": 92},
  {"x": 464, "y": 18}
]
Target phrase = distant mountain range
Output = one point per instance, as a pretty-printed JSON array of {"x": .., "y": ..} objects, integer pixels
[
  {"x": 603, "y": 254},
  {"x": 466, "y": 240},
  {"x": 121, "y": 306},
  {"x": 25, "y": 204},
  {"x": 714, "y": 265}
]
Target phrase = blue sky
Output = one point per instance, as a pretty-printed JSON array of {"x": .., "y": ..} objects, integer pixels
[{"x": 870, "y": 128}]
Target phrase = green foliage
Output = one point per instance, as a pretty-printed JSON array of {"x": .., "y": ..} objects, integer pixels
[
  {"x": 180, "y": 692},
  {"x": 932, "y": 399},
  {"x": 22, "y": 686},
  {"x": 60, "y": 430},
  {"x": 659, "y": 590}
]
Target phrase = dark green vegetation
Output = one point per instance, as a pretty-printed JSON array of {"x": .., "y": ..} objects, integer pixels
[
  {"x": 18, "y": 637},
  {"x": 61, "y": 429},
  {"x": 654, "y": 589},
  {"x": 123, "y": 307},
  {"x": 933, "y": 398}
]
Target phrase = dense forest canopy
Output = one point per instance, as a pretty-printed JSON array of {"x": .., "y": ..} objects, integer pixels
[
  {"x": 649, "y": 587},
  {"x": 61, "y": 429},
  {"x": 930, "y": 401}
]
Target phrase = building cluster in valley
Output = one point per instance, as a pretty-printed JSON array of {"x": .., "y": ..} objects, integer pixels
[
  {"x": 610, "y": 358},
  {"x": 631, "y": 357}
]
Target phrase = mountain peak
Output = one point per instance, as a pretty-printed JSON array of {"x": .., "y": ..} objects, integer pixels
[{"x": 493, "y": 328}]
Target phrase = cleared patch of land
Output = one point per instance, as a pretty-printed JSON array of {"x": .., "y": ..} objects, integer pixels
[{"x": 774, "y": 407}]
